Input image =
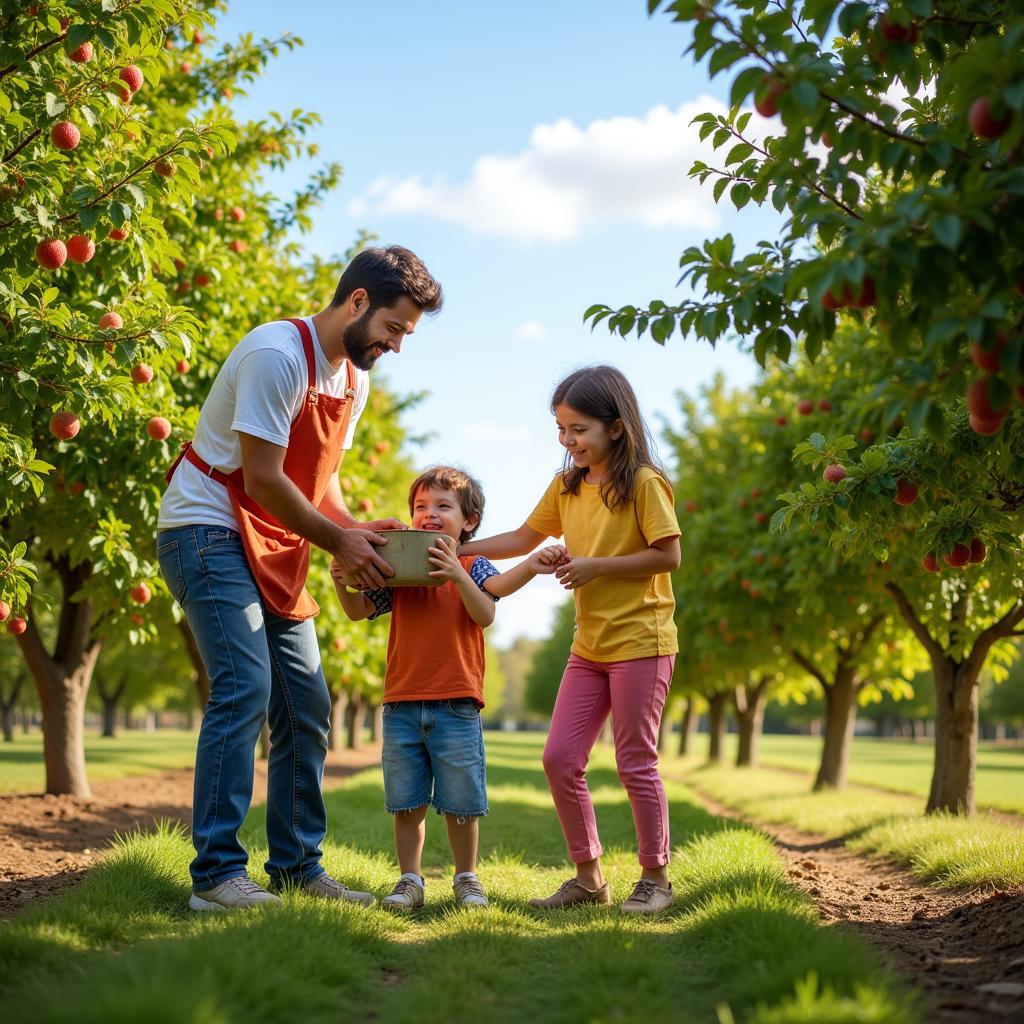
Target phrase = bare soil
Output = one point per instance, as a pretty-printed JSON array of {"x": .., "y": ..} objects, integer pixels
[
  {"x": 962, "y": 949},
  {"x": 47, "y": 843}
]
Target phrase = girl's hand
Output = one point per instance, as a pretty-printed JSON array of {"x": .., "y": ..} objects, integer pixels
[
  {"x": 443, "y": 556},
  {"x": 574, "y": 573},
  {"x": 543, "y": 562}
]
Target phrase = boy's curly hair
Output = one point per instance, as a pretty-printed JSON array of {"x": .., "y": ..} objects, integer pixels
[{"x": 461, "y": 484}]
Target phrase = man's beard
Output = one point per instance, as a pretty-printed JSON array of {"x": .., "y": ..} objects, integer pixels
[{"x": 358, "y": 346}]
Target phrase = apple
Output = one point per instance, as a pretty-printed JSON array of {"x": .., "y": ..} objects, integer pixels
[
  {"x": 761, "y": 518},
  {"x": 745, "y": 584},
  {"x": 136, "y": 618},
  {"x": 111, "y": 322},
  {"x": 338, "y": 643},
  {"x": 834, "y": 473},
  {"x": 867, "y": 294},
  {"x": 81, "y": 248},
  {"x": 51, "y": 253},
  {"x": 17, "y": 625},
  {"x": 140, "y": 593},
  {"x": 81, "y": 55},
  {"x": 141, "y": 373},
  {"x": 742, "y": 503},
  {"x": 906, "y": 491},
  {"x": 826, "y": 139},
  {"x": 382, "y": 446},
  {"x": 373, "y": 460},
  {"x": 201, "y": 280},
  {"x": 198, "y": 38},
  {"x": 781, "y": 421},
  {"x": 182, "y": 366},
  {"x": 132, "y": 77},
  {"x": 756, "y": 492},
  {"x": 985, "y": 427},
  {"x": 896, "y": 33},
  {"x": 867, "y": 435},
  {"x": 978, "y": 551},
  {"x": 159, "y": 428},
  {"x": 185, "y": 67},
  {"x": 237, "y": 214},
  {"x": 64, "y": 425},
  {"x": 690, "y": 506},
  {"x": 983, "y": 122},
  {"x": 346, "y": 483},
  {"x": 958, "y": 557},
  {"x": 119, "y": 234},
  {"x": 365, "y": 504},
  {"x": 239, "y": 245},
  {"x": 930, "y": 563},
  {"x": 805, "y": 407},
  {"x": 165, "y": 167},
  {"x": 988, "y": 358},
  {"x": 979, "y": 402},
  {"x": 825, "y": 405},
  {"x": 5, "y": 611},
  {"x": 766, "y": 99},
  {"x": 831, "y": 301},
  {"x": 65, "y": 135}
]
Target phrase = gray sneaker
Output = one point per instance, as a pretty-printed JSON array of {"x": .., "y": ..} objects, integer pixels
[
  {"x": 331, "y": 889},
  {"x": 406, "y": 896},
  {"x": 648, "y": 898},
  {"x": 468, "y": 891},
  {"x": 239, "y": 893}
]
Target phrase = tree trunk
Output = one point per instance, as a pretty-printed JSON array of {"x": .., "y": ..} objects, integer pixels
[
  {"x": 840, "y": 717},
  {"x": 62, "y": 680},
  {"x": 956, "y": 737},
  {"x": 749, "y": 703},
  {"x": 354, "y": 740},
  {"x": 664, "y": 731},
  {"x": 687, "y": 726},
  {"x": 264, "y": 747},
  {"x": 607, "y": 734},
  {"x": 110, "y": 702},
  {"x": 7, "y": 702},
  {"x": 376, "y": 723},
  {"x": 339, "y": 708},
  {"x": 200, "y": 677},
  {"x": 716, "y": 727}
]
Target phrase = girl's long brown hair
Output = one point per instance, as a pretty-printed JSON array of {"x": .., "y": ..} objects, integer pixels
[{"x": 603, "y": 393}]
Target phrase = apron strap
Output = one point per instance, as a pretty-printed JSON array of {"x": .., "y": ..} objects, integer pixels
[
  {"x": 307, "y": 347},
  {"x": 191, "y": 455}
]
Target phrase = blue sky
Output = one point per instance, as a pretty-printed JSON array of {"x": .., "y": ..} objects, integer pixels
[{"x": 535, "y": 155}]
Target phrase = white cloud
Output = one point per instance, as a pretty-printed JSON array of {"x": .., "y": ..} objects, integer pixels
[
  {"x": 494, "y": 433},
  {"x": 531, "y": 329},
  {"x": 569, "y": 180}
]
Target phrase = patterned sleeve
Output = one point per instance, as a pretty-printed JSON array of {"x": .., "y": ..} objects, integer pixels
[
  {"x": 381, "y": 599},
  {"x": 482, "y": 570}
]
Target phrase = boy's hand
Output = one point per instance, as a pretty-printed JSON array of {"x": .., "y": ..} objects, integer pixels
[
  {"x": 443, "y": 556},
  {"x": 545, "y": 561},
  {"x": 574, "y": 573}
]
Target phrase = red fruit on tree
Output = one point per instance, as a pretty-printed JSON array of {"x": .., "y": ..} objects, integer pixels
[
  {"x": 831, "y": 301},
  {"x": 338, "y": 643},
  {"x": 867, "y": 296},
  {"x": 81, "y": 248},
  {"x": 239, "y": 245},
  {"x": 165, "y": 167},
  {"x": 141, "y": 373},
  {"x": 930, "y": 562},
  {"x": 988, "y": 358},
  {"x": 237, "y": 214},
  {"x": 119, "y": 234},
  {"x": 756, "y": 492},
  {"x": 780, "y": 421},
  {"x": 17, "y": 625},
  {"x": 979, "y": 402},
  {"x": 906, "y": 491},
  {"x": 185, "y": 67},
  {"x": 140, "y": 593},
  {"x": 867, "y": 435},
  {"x": 132, "y": 77},
  {"x": 896, "y": 33},
  {"x": 985, "y": 427},
  {"x": 136, "y": 618},
  {"x": 978, "y": 551},
  {"x": 201, "y": 280},
  {"x": 382, "y": 446},
  {"x": 64, "y": 425},
  {"x": 766, "y": 99},
  {"x": 958, "y": 557},
  {"x": 690, "y": 506},
  {"x": 983, "y": 122},
  {"x": 159, "y": 428},
  {"x": 51, "y": 253},
  {"x": 65, "y": 135},
  {"x": 198, "y": 38},
  {"x": 365, "y": 504},
  {"x": 81, "y": 55},
  {"x": 805, "y": 407},
  {"x": 373, "y": 460},
  {"x": 825, "y": 405},
  {"x": 761, "y": 518},
  {"x": 5, "y": 611},
  {"x": 111, "y": 322},
  {"x": 834, "y": 473},
  {"x": 182, "y": 366}
]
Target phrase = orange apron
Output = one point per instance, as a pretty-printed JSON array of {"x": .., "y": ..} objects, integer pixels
[{"x": 278, "y": 558}]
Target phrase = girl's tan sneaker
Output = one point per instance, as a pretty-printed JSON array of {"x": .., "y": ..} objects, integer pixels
[
  {"x": 648, "y": 898},
  {"x": 570, "y": 894}
]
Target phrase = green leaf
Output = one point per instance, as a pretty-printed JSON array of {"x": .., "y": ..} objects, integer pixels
[
  {"x": 948, "y": 230},
  {"x": 54, "y": 104},
  {"x": 806, "y": 95}
]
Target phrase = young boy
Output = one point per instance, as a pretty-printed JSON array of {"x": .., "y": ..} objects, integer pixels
[{"x": 433, "y": 748}]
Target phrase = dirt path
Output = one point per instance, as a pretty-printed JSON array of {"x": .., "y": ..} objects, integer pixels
[
  {"x": 47, "y": 843},
  {"x": 965, "y": 950}
]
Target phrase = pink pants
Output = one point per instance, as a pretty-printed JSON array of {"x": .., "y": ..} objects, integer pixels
[{"x": 634, "y": 693}]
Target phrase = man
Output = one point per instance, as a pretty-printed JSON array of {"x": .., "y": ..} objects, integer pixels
[{"x": 244, "y": 501}]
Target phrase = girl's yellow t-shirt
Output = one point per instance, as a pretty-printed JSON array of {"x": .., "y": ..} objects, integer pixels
[{"x": 617, "y": 618}]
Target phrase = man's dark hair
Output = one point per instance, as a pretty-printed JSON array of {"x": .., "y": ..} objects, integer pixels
[{"x": 387, "y": 274}]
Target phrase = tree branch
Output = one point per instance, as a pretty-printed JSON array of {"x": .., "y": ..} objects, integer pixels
[
  {"x": 917, "y": 627},
  {"x": 809, "y": 667}
]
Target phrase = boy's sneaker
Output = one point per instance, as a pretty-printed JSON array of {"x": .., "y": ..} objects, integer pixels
[
  {"x": 468, "y": 891},
  {"x": 572, "y": 893},
  {"x": 648, "y": 898},
  {"x": 240, "y": 893},
  {"x": 407, "y": 894},
  {"x": 331, "y": 889}
]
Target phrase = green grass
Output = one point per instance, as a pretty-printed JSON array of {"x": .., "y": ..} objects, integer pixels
[
  {"x": 740, "y": 944},
  {"x": 898, "y": 765},
  {"x": 128, "y": 753},
  {"x": 950, "y": 851}
]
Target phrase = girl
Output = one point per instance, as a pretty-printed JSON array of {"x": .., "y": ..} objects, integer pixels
[{"x": 613, "y": 505}]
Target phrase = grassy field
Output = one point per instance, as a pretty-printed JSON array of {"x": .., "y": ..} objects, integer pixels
[
  {"x": 128, "y": 753},
  {"x": 898, "y": 765},
  {"x": 740, "y": 944}
]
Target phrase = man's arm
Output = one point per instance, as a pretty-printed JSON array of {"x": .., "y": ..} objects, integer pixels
[
  {"x": 355, "y": 606},
  {"x": 268, "y": 485},
  {"x": 333, "y": 506}
]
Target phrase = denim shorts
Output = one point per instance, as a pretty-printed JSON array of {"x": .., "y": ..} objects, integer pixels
[{"x": 433, "y": 754}]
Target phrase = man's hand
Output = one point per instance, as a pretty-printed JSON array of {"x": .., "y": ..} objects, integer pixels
[
  {"x": 356, "y": 557},
  {"x": 574, "y": 573},
  {"x": 383, "y": 524},
  {"x": 545, "y": 561},
  {"x": 445, "y": 560}
]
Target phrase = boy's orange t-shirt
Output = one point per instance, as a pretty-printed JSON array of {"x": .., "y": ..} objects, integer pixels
[{"x": 435, "y": 650}]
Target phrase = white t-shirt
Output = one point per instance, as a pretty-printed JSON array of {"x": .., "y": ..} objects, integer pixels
[{"x": 259, "y": 390}]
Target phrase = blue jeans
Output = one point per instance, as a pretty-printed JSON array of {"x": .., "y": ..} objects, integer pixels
[
  {"x": 433, "y": 753},
  {"x": 261, "y": 667}
]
